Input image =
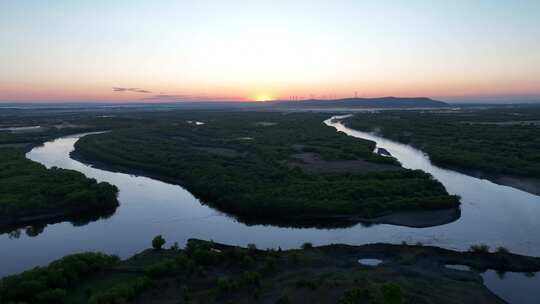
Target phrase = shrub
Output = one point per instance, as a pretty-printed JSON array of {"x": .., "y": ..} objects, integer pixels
[
  {"x": 205, "y": 257},
  {"x": 269, "y": 264},
  {"x": 252, "y": 248},
  {"x": 225, "y": 285},
  {"x": 307, "y": 245},
  {"x": 190, "y": 247},
  {"x": 52, "y": 296},
  {"x": 482, "y": 248},
  {"x": 158, "y": 242},
  {"x": 502, "y": 250},
  {"x": 120, "y": 293},
  {"x": 162, "y": 268},
  {"x": 182, "y": 261}
]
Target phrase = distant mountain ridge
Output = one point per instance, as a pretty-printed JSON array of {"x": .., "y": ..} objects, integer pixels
[{"x": 381, "y": 102}]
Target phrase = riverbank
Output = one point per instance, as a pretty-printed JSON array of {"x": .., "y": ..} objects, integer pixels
[
  {"x": 209, "y": 272},
  {"x": 531, "y": 185},
  {"x": 527, "y": 184}
]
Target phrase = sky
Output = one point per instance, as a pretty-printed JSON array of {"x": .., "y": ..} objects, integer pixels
[{"x": 106, "y": 50}]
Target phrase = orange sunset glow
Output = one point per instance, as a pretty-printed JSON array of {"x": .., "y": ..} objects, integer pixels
[{"x": 107, "y": 52}]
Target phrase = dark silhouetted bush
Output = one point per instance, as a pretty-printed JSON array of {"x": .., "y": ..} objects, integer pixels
[
  {"x": 481, "y": 248},
  {"x": 158, "y": 242},
  {"x": 307, "y": 245}
]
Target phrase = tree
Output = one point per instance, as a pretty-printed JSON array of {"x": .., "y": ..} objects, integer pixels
[
  {"x": 307, "y": 245},
  {"x": 158, "y": 242}
]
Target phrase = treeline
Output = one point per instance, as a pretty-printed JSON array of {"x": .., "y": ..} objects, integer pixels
[
  {"x": 29, "y": 189},
  {"x": 240, "y": 163},
  {"x": 493, "y": 141},
  {"x": 48, "y": 285}
]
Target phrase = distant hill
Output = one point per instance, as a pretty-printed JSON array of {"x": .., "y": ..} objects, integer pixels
[{"x": 383, "y": 102}]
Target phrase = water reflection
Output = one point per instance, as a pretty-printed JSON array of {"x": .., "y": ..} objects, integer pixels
[
  {"x": 458, "y": 267},
  {"x": 370, "y": 262},
  {"x": 36, "y": 227},
  {"x": 514, "y": 287}
]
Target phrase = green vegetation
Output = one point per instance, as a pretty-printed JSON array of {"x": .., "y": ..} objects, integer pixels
[
  {"x": 481, "y": 248},
  {"x": 28, "y": 189},
  {"x": 121, "y": 292},
  {"x": 50, "y": 284},
  {"x": 206, "y": 272},
  {"x": 388, "y": 293},
  {"x": 502, "y": 250},
  {"x": 494, "y": 141},
  {"x": 267, "y": 165},
  {"x": 33, "y": 194},
  {"x": 158, "y": 242}
]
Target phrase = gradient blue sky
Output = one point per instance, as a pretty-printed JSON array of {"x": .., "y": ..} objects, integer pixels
[{"x": 246, "y": 50}]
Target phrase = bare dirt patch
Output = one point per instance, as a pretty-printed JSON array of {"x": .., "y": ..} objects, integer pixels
[{"x": 313, "y": 163}]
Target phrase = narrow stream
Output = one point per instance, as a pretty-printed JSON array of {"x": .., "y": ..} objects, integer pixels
[{"x": 491, "y": 214}]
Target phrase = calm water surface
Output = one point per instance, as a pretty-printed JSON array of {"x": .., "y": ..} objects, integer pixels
[{"x": 492, "y": 214}]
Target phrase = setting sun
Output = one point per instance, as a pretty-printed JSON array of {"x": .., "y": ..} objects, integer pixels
[{"x": 263, "y": 97}]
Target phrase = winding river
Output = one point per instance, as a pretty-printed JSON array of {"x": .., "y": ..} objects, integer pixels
[{"x": 491, "y": 214}]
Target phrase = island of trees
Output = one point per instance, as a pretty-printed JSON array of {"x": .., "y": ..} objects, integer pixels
[{"x": 259, "y": 165}]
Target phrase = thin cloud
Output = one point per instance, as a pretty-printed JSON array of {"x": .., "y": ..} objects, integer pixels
[{"x": 136, "y": 90}]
